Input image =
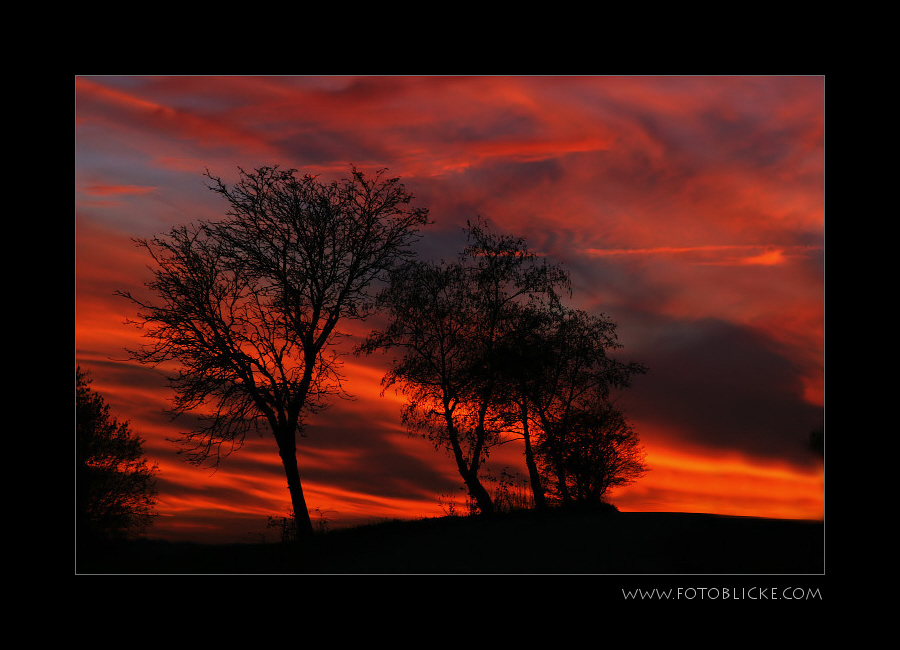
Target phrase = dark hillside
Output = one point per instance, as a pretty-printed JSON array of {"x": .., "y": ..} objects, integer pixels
[{"x": 522, "y": 543}]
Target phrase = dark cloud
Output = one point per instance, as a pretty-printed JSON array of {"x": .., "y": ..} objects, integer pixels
[
  {"x": 727, "y": 387},
  {"x": 322, "y": 147}
]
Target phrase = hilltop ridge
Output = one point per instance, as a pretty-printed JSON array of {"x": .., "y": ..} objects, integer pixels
[{"x": 514, "y": 543}]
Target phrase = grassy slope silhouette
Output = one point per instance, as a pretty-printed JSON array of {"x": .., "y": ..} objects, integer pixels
[{"x": 512, "y": 543}]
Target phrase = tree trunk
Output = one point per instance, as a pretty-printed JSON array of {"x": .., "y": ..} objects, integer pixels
[
  {"x": 554, "y": 452},
  {"x": 288, "y": 452},
  {"x": 469, "y": 472},
  {"x": 537, "y": 489},
  {"x": 476, "y": 488},
  {"x": 479, "y": 493}
]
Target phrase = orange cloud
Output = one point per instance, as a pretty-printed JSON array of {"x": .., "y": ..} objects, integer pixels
[
  {"x": 106, "y": 190},
  {"x": 769, "y": 258},
  {"x": 731, "y": 485},
  {"x": 733, "y": 255}
]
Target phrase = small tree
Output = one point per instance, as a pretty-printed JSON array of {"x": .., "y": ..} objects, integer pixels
[
  {"x": 602, "y": 451},
  {"x": 115, "y": 488},
  {"x": 248, "y": 306}
]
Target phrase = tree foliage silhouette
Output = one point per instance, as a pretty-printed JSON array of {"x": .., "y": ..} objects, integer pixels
[
  {"x": 560, "y": 369},
  {"x": 247, "y": 307},
  {"x": 450, "y": 320},
  {"x": 600, "y": 451},
  {"x": 487, "y": 349},
  {"x": 115, "y": 489}
]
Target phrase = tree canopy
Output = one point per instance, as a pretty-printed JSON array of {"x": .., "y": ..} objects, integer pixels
[
  {"x": 563, "y": 369},
  {"x": 449, "y": 318},
  {"x": 485, "y": 347},
  {"x": 247, "y": 307}
]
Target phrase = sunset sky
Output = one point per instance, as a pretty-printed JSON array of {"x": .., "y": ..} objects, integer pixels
[{"x": 690, "y": 210}]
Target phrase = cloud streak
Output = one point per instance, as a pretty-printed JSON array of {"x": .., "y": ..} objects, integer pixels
[{"x": 715, "y": 255}]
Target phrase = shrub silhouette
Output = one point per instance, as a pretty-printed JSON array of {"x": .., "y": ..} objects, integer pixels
[{"x": 115, "y": 488}]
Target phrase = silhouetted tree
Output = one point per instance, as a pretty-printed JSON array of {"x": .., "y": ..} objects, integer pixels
[
  {"x": 115, "y": 489},
  {"x": 248, "y": 306},
  {"x": 560, "y": 368},
  {"x": 601, "y": 451},
  {"x": 427, "y": 303},
  {"x": 449, "y": 319},
  {"x": 520, "y": 359}
]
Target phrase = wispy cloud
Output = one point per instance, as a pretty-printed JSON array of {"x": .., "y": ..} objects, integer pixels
[
  {"x": 728, "y": 255},
  {"x": 114, "y": 190}
]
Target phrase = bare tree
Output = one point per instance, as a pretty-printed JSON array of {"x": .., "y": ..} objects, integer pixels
[
  {"x": 428, "y": 305},
  {"x": 449, "y": 319},
  {"x": 247, "y": 307}
]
